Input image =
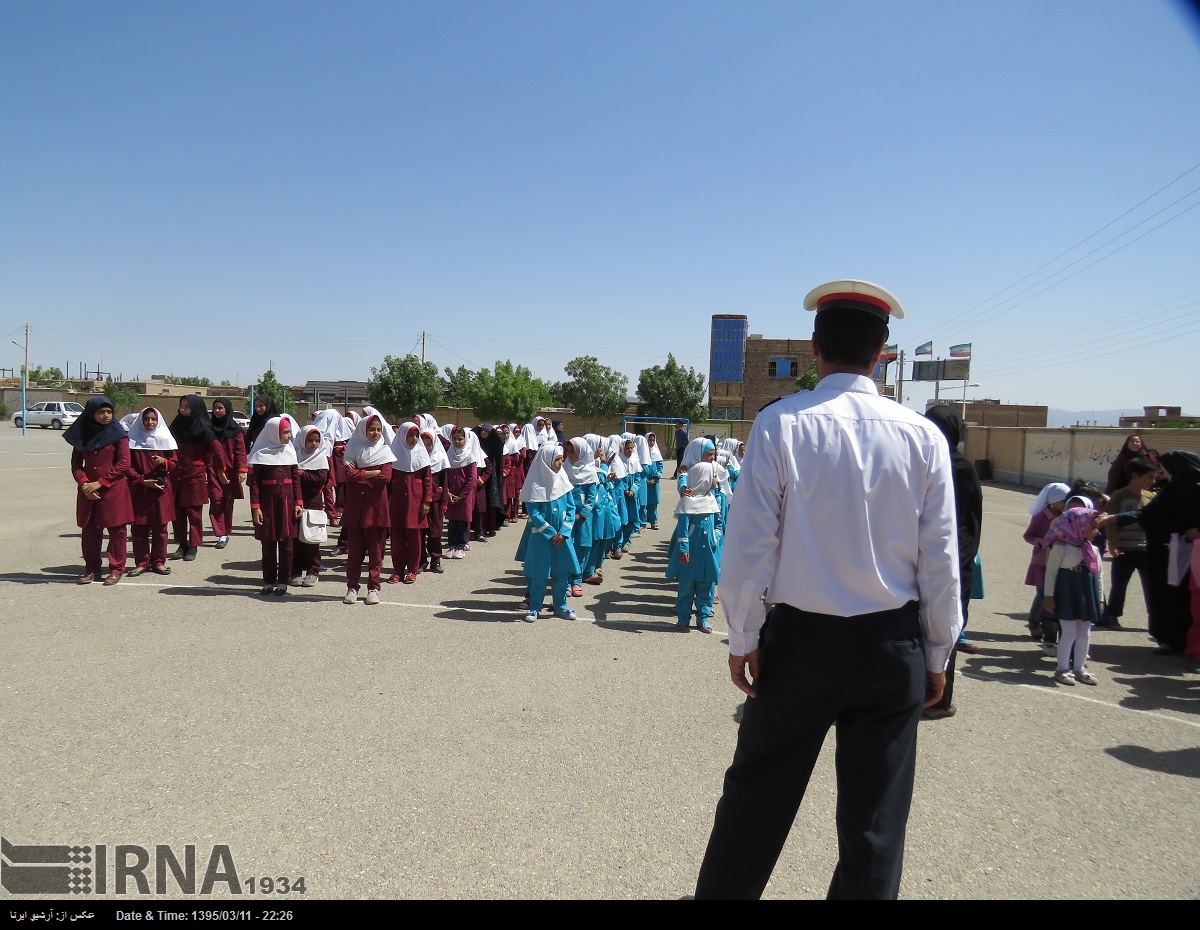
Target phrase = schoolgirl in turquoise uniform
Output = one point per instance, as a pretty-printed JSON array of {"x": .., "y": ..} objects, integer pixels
[
  {"x": 696, "y": 561},
  {"x": 549, "y": 556}
]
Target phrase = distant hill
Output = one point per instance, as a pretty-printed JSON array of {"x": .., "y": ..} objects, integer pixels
[{"x": 1091, "y": 417}]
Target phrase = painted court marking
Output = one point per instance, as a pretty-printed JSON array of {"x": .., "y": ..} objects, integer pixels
[{"x": 1129, "y": 710}]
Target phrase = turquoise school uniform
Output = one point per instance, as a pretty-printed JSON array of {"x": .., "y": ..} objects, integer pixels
[
  {"x": 544, "y": 560},
  {"x": 700, "y": 536},
  {"x": 654, "y": 473},
  {"x": 608, "y": 522},
  {"x": 583, "y": 534}
]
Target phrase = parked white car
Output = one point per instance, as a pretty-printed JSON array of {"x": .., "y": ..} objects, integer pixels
[
  {"x": 51, "y": 414},
  {"x": 241, "y": 419}
]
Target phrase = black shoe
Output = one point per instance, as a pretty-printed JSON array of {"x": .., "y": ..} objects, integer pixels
[
  {"x": 178, "y": 553},
  {"x": 436, "y": 568},
  {"x": 267, "y": 589},
  {"x": 190, "y": 555}
]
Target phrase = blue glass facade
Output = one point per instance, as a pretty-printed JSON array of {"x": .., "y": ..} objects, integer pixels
[{"x": 727, "y": 349}]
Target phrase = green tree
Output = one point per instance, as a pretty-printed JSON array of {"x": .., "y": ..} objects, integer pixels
[
  {"x": 671, "y": 390},
  {"x": 594, "y": 390},
  {"x": 808, "y": 380},
  {"x": 280, "y": 393},
  {"x": 197, "y": 381},
  {"x": 456, "y": 387},
  {"x": 44, "y": 374},
  {"x": 508, "y": 393},
  {"x": 225, "y": 382},
  {"x": 125, "y": 399},
  {"x": 400, "y": 386}
]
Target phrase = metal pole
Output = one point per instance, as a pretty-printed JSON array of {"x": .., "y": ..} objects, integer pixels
[
  {"x": 964, "y": 412},
  {"x": 422, "y": 347},
  {"x": 900, "y": 380},
  {"x": 25, "y": 386}
]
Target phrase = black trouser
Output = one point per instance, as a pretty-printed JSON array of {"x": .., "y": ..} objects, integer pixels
[
  {"x": 678, "y": 462},
  {"x": 864, "y": 675},
  {"x": 1123, "y": 567}
]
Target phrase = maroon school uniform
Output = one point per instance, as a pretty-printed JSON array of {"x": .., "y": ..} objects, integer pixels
[
  {"x": 113, "y": 511},
  {"x": 315, "y": 490},
  {"x": 275, "y": 492},
  {"x": 229, "y": 461},
  {"x": 408, "y": 493},
  {"x": 461, "y": 482},
  {"x": 190, "y": 483},
  {"x": 153, "y": 509},
  {"x": 366, "y": 517}
]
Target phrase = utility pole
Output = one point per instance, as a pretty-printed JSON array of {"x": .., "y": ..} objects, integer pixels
[
  {"x": 422, "y": 347},
  {"x": 900, "y": 380},
  {"x": 25, "y": 384}
]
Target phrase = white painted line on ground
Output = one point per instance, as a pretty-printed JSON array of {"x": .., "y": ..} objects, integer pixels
[
  {"x": 4, "y": 471},
  {"x": 1058, "y": 692}
]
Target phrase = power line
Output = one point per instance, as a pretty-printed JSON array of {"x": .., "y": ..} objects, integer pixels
[
  {"x": 1140, "y": 318},
  {"x": 455, "y": 354},
  {"x": 938, "y": 330}
]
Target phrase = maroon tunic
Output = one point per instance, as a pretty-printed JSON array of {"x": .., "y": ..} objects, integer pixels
[
  {"x": 313, "y": 487},
  {"x": 196, "y": 472},
  {"x": 230, "y": 463},
  {"x": 110, "y": 466},
  {"x": 460, "y": 481},
  {"x": 151, "y": 507},
  {"x": 338, "y": 460},
  {"x": 367, "y": 503},
  {"x": 481, "y": 490},
  {"x": 407, "y": 492},
  {"x": 275, "y": 490},
  {"x": 512, "y": 468}
]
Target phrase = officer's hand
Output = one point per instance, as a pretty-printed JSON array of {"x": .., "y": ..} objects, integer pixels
[
  {"x": 935, "y": 684},
  {"x": 738, "y": 666}
]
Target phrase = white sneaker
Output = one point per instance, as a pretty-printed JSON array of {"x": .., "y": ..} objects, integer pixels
[
  {"x": 296, "y": 581},
  {"x": 530, "y": 616},
  {"x": 309, "y": 581},
  {"x": 351, "y": 597},
  {"x": 1064, "y": 678},
  {"x": 1084, "y": 677},
  {"x": 372, "y": 597},
  {"x": 1050, "y": 649}
]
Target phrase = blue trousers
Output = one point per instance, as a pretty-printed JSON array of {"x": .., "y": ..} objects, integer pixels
[
  {"x": 596, "y": 557},
  {"x": 559, "y": 585},
  {"x": 701, "y": 593}
]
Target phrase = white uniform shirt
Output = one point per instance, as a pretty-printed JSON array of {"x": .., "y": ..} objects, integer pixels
[{"x": 845, "y": 506}]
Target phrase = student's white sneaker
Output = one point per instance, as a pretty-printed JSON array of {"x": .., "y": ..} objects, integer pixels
[
  {"x": 372, "y": 597},
  {"x": 1084, "y": 677},
  {"x": 1064, "y": 678},
  {"x": 1050, "y": 649},
  {"x": 531, "y": 616},
  {"x": 351, "y": 597},
  {"x": 309, "y": 581},
  {"x": 296, "y": 581}
]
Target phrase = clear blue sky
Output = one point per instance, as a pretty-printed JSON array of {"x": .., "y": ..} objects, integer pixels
[{"x": 204, "y": 188}]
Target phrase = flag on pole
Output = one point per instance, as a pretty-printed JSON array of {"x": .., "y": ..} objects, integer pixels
[
  {"x": 924, "y": 349},
  {"x": 963, "y": 350},
  {"x": 889, "y": 353}
]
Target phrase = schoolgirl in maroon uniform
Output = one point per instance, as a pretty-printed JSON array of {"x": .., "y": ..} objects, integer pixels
[
  {"x": 199, "y": 452},
  {"x": 488, "y": 481},
  {"x": 435, "y": 445},
  {"x": 228, "y": 473},
  {"x": 312, "y": 460},
  {"x": 275, "y": 501},
  {"x": 512, "y": 470},
  {"x": 100, "y": 466},
  {"x": 152, "y": 459},
  {"x": 461, "y": 479},
  {"x": 367, "y": 515},
  {"x": 410, "y": 495}
]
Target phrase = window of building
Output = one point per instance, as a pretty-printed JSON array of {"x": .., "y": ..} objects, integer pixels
[{"x": 783, "y": 366}]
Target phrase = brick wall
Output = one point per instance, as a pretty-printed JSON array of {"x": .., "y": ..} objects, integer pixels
[{"x": 757, "y": 388}]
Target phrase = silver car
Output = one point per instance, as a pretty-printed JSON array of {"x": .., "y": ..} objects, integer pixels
[{"x": 51, "y": 414}]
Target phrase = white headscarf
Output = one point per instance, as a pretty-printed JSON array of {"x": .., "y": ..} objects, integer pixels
[
  {"x": 583, "y": 470},
  {"x": 481, "y": 458},
  {"x": 512, "y": 445},
  {"x": 631, "y": 462},
  {"x": 314, "y": 461},
  {"x": 616, "y": 468},
  {"x": 409, "y": 458},
  {"x": 643, "y": 450},
  {"x": 438, "y": 460},
  {"x": 543, "y": 483},
  {"x": 596, "y": 442},
  {"x": 460, "y": 458},
  {"x": 515, "y": 435},
  {"x": 546, "y": 433},
  {"x": 1050, "y": 494},
  {"x": 702, "y": 478},
  {"x": 428, "y": 422},
  {"x": 333, "y": 426},
  {"x": 160, "y": 440},
  {"x": 269, "y": 449},
  {"x": 389, "y": 434},
  {"x": 728, "y": 453},
  {"x": 695, "y": 451},
  {"x": 364, "y": 454},
  {"x": 655, "y": 452},
  {"x": 529, "y": 437}
]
